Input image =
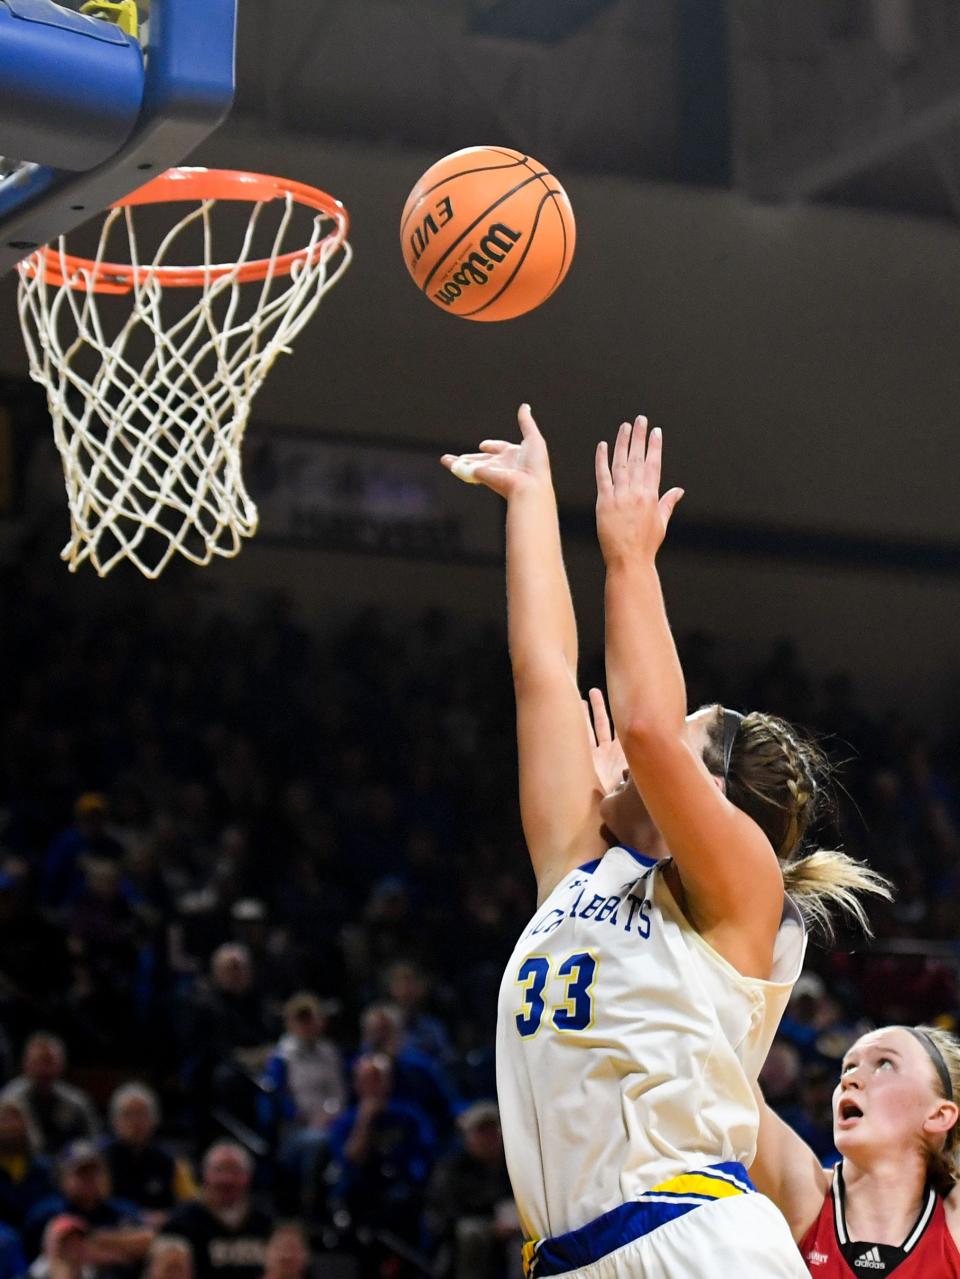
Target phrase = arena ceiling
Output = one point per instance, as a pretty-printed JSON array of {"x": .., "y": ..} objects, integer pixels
[{"x": 853, "y": 101}]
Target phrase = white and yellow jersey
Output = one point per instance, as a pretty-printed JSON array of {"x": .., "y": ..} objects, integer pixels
[{"x": 626, "y": 1046}]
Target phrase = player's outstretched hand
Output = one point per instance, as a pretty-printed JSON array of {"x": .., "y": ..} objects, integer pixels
[
  {"x": 632, "y": 517},
  {"x": 504, "y": 467},
  {"x": 609, "y": 761}
]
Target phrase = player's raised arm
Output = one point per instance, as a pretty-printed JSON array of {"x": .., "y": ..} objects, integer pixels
[
  {"x": 728, "y": 870},
  {"x": 787, "y": 1171},
  {"x": 559, "y": 790}
]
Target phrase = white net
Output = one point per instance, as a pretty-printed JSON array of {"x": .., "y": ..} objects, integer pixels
[{"x": 150, "y": 389}]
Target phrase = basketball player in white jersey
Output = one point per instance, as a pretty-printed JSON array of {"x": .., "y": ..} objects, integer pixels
[{"x": 641, "y": 999}]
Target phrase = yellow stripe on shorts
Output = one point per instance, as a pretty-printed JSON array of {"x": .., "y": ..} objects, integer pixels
[
  {"x": 528, "y": 1255},
  {"x": 696, "y": 1183}
]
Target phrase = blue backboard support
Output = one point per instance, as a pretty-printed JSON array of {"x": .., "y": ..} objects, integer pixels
[{"x": 100, "y": 118}]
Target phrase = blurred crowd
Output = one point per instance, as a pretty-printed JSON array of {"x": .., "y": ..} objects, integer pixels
[{"x": 257, "y": 889}]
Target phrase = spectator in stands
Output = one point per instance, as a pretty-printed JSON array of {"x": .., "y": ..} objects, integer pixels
[
  {"x": 169, "y": 1258},
  {"x": 25, "y": 1176},
  {"x": 63, "y": 868},
  {"x": 165, "y": 740},
  {"x": 141, "y": 1170},
  {"x": 226, "y": 1229},
  {"x": 382, "y": 1149},
  {"x": 471, "y": 1215},
  {"x": 288, "y": 1254},
  {"x": 304, "y": 1091},
  {"x": 268, "y": 943},
  {"x": 229, "y": 1010},
  {"x": 409, "y": 988},
  {"x": 415, "y": 1078},
  {"x": 224, "y": 1038},
  {"x": 57, "y": 1112},
  {"x": 115, "y": 1225},
  {"x": 102, "y": 925},
  {"x": 305, "y": 1071}
]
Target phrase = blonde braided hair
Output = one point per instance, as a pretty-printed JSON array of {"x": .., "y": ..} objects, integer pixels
[{"x": 778, "y": 778}]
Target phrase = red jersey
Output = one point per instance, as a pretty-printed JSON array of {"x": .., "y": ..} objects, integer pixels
[{"x": 928, "y": 1252}]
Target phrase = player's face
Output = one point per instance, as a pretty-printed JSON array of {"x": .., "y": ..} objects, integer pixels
[
  {"x": 623, "y": 810},
  {"x": 888, "y": 1097}
]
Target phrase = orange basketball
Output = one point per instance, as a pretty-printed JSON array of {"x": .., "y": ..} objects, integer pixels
[{"x": 487, "y": 233}]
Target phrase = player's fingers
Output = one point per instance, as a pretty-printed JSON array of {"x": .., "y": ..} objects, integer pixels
[
  {"x": 601, "y": 719},
  {"x": 668, "y": 504},
  {"x": 653, "y": 461},
  {"x": 495, "y": 446},
  {"x": 590, "y": 729},
  {"x": 638, "y": 442},
  {"x": 621, "y": 452},
  {"x": 602, "y": 468},
  {"x": 467, "y": 466},
  {"x": 472, "y": 457},
  {"x": 526, "y": 422}
]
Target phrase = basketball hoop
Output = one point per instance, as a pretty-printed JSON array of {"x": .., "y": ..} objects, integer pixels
[{"x": 150, "y": 406}]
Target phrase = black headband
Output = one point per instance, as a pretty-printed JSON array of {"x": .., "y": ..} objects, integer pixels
[
  {"x": 731, "y": 726},
  {"x": 936, "y": 1056}
]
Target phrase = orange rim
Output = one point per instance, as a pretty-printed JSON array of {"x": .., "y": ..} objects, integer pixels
[{"x": 182, "y": 184}]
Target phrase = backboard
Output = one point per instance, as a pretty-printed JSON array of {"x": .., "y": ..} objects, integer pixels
[{"x": 97, "y": 98}]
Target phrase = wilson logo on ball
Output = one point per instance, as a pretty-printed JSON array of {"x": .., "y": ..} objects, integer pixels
[
  {"x": 476, "y": 269},
  {"x": 487, "y": 233}
]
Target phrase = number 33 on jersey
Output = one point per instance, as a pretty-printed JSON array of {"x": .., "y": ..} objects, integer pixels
[
  {"x": 574, "y": 1011},
  {"x": 560, "y": 989}
]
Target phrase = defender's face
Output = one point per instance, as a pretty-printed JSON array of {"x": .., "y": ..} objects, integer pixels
[{"x": 887, "y": 1093}]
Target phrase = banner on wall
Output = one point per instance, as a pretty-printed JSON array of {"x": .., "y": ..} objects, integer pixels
[{"x": 338, "y": 493}]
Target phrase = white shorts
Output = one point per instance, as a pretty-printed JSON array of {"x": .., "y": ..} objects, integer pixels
[{"x": 740, "y": 1237}]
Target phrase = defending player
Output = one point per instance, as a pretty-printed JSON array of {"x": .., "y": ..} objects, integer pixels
[
  {"x": 641, "y": 999},
  {"x": 892, "y": 1204}
]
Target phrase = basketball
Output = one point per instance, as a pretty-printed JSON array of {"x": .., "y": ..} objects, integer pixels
[{"x": 487, "y": 233}]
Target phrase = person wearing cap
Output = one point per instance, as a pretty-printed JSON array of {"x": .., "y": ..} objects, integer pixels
[
  {"x": 470, "y": 1212},
  {"x": 63, "y": 872},
  {"x": 115, "y": 1224},
  {"x": 892, "y": 1203},
  {"x": 58, "y": 1112},
  {"x": 304, "y": 1073},
  {"x": 303, "y": 1089}
]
